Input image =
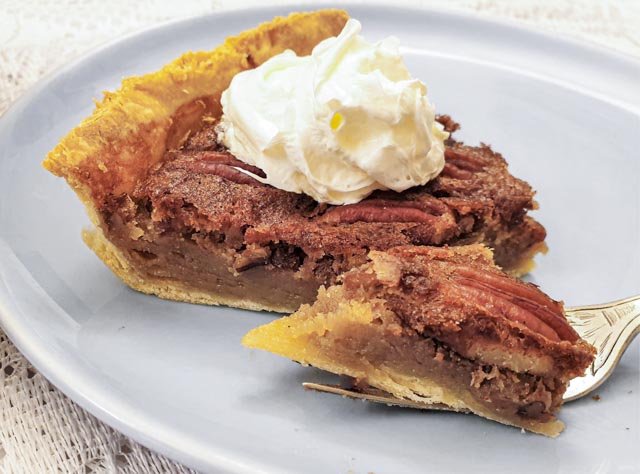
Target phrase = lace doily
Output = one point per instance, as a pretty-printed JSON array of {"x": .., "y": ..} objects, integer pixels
[{"x": 41, "y": 430}]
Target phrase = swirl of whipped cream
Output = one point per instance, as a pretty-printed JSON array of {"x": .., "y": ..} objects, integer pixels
[{"x": 335, "y": 125}]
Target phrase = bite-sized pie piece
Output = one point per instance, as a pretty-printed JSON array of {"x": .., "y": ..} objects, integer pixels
[
  {"x": 176, "y": 216},
  {"x": 440, "y": 325}
]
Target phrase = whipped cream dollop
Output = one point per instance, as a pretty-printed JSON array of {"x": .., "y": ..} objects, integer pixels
[{"x": 335, "y": 125}]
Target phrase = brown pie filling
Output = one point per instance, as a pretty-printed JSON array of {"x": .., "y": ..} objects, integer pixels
[
  {"x": 509, "y": 394},
  {"x": 198, "y": 219}
]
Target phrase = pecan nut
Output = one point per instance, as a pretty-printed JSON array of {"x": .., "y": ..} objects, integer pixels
[
  {"x": 497, "y": 304},
  {"x": 516, "y": 300},
  {"x": 226, "y": 166},
  {"x": 386, "y": 210},
  {"x": 228, "y": 159},
  {"x": 463, "y": 159},
  {"x": 452, "y": 171},
  {"x": 224, "y": 171}
]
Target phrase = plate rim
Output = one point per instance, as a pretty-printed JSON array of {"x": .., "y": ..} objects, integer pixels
[{"x": 114, "y": 412}]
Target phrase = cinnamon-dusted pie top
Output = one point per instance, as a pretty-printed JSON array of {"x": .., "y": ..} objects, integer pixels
[{"x": 200, "y": 186}]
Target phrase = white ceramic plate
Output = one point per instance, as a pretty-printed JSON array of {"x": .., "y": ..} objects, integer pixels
[{"x": 175, "y": 377}]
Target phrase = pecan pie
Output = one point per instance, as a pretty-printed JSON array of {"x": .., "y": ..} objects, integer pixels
[
  {"x": 440, "y": 325},
  {"x": 175, "y": 215}
]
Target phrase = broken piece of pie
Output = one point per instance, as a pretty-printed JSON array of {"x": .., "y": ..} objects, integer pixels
[
  {"x": 440, "y": 325},
  {"x": 177, "y": 215}
]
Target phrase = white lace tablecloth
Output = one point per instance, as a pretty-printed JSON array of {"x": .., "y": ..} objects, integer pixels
[{"x": 41, "y": 430}]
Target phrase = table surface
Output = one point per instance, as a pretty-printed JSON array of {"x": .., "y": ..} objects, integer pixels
[{"x": 41, "y": 430}]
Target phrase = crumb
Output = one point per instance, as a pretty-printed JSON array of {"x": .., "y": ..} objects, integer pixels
[
  {"x": 627, "y": 428},
  {"x": 596, "y": 398},
  {"x": 522, "y": 431}
]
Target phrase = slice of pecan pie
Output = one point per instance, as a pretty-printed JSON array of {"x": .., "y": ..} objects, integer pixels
[
  {"x": 440, "y": 325},
  {"x": 175, "y": 216}
]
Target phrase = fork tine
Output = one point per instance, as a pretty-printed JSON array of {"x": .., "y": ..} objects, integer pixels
[{"x": 378, "y": 396}]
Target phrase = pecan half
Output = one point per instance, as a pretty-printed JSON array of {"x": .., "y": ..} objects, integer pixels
[
  {"x": 463, "y": 160},
  {"x": 453, "y": 171},
  {"x": 228, "y": 159},
  {"x": 226, "y": 166},
  {"x": 515, "y": 300},
  {"x": 224, "y": 171},
  {"x": 386, "y": 210},
  {"x": 510, "y": 286},
  {"x": 497, "y": 304}
]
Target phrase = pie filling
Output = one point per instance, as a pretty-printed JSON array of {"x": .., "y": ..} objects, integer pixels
[
  {"x": 376, "y": 353},
  {"x": 403, "y": 323},
  {"x": 199, "y": 219}
]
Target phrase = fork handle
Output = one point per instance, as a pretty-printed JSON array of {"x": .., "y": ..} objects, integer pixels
[{"x": 610, "y": 328}]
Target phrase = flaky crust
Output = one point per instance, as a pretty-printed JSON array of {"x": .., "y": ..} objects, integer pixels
[{"x": 130, "y": 129}]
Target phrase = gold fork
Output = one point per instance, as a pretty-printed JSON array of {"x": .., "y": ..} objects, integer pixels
[{"x": 609, "y": 327}]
